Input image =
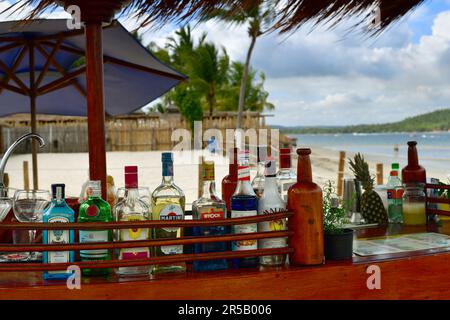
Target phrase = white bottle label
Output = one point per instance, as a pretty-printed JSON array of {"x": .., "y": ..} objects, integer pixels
[
  {"x": 58, "y": 237},
  {"x": 244, "y": 228},
  {"x": 171, "y": 212},
  {"x": 275, "y": 225},
  {"x": 94, "y": 236}
]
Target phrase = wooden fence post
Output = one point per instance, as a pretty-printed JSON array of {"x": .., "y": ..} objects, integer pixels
[
  {"x": 340, "y": 172},
  {"x": 26, "y": 176},
  {"x": 379, "y": 173}
]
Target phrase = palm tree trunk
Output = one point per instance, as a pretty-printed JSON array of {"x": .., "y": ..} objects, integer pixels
[{"x": 244, "y": 82}]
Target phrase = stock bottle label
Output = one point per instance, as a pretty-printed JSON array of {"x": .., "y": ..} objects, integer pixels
[
  {"x": 211, "y": 213},
  {"x": 244, "y": 228},
  {"x": 58, "y": 237}
]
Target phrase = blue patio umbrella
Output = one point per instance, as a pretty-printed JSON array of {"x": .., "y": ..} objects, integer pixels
[{"x": 41, "y": 71}]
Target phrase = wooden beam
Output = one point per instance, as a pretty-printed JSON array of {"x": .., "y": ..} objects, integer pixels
[
  {"x": 61, "y": 82},
  {"x": 12, "y": 88},
  {"x": 60, "y": 69},
  {"x": 33, "y": 95},
  {"x": 48, "y": 61},
  {"x": 95, "y": 106},
  {"x": 16, "y": 64},
  {"x": 12, "y": 75},
  {"x": 10, "y": 46}
]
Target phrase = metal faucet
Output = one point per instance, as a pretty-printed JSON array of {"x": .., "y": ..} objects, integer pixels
[{"x": 8, "y": 153}]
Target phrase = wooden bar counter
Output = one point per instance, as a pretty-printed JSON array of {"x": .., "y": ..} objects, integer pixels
[{"x": 417, "y": 275}]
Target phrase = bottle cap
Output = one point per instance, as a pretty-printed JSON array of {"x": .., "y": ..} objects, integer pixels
[
  {"x": 131, "y": 177},
  {"x": 270, "y": 167},
  {"x": 412, "y": 143},
  {"x": 208, "y": 171},
  {"x": 94, "y": 188},
  {"x": 394, "y": 173},
  {"x": 304, "y": 151},
  {"x": 58, "y": 188},
  {"x": 395, "y": 166},
  {"x": 285, "y": 158},
  {"x": 262, "y": 153},
  {"x": 167, "y": 157}
]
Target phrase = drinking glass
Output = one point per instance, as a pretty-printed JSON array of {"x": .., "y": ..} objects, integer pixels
[{"x": 29, "y": 206}]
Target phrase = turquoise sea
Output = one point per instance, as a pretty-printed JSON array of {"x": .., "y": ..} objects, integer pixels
[{"x": 434, "y": 147}]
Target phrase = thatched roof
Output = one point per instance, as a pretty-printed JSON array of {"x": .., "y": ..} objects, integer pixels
[{"x": 289, "y": 15}]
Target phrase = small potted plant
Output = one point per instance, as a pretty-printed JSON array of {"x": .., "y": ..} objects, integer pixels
[{"x": 338, "y": 240}]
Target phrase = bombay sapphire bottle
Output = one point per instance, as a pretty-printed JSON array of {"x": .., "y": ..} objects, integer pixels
[
  {"x": 58, "y": 212},
  {"x": 209, "y": 207},
  {"x": 244, "y": 203}
]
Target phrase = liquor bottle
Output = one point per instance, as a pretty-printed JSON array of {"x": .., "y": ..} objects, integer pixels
[
  {"x": 111, "y": 191},
  {"x": 285, "y": 176},
  {"x": 244, "y": 203},
  {"x": 270, "y": 203},
  {"x": 413, "y": 172},
  {"x": 229, "y": 182},
  {"x": 209, "y": 207},
  {"x": 168, "y": 203},
  {"x": 132, "y": 208},
  {"x": 394, "y": 196},
  {"x": 58, "y": 212},
  {"x": 305, "y": 202},
  {"x": 258, "y": 180},
  {"x": 95, "y": 209},
  {"x": 395, "y": 166}
]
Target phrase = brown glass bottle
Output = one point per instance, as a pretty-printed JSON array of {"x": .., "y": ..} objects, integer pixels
[
  {"x": 229, "y": 182},
  {"x": 305, "y": 202},
  {"x": 413, "y": 172}
]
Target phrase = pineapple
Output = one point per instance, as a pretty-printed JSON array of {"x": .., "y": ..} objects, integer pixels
[{"x": 372, "y": 208}]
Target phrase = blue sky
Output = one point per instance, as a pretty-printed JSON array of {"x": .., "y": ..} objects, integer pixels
[{"x": 329, "y": 77}]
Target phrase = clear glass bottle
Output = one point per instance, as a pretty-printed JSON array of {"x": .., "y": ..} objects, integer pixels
[
  {"x": 168, "y": 203},
  {"x": 132, "y": 208},
  {"x": 58, "y": 212},
  {"x": 95, "y": 209},
  {"x": 270, "y": 203},
  {"x": 394, "y": 197},
  {"x": 286, "y": 177},
  {"x": 244, "y": 203},
  {"x": 209, "y": 207},
  {"x": 414, "y": 204},
  {"x": 258, "y": 180}
]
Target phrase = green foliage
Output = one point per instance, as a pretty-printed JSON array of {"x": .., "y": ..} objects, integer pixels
[
  {"x": 334, "y": 218},
  {"x": 189, "y": 104},
  {"x": 434, "y": 121},
  {"x": 213, "y": 80}
]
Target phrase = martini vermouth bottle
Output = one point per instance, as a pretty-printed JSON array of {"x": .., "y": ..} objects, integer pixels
[
  {"x": 244, "y": 203},
  {"x": 95, "y": 209},
  {"x": 168, "y": 203},
  {"x": 271, "y": 202},
  {"x": 132, "y": 208},
  {"x": 209, "y": 207}
]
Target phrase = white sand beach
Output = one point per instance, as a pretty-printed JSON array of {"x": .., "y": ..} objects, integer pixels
[{"x": 72, "y": 169}]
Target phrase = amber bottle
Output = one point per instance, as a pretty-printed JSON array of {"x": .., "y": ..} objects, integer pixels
[
  {"x": 305, "y": 202},
  {"x": 229, "y": 182},
  {"x": 413, "y": 172}
]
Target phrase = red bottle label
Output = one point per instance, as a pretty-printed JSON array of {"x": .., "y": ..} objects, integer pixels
[
  {"x": 134, "y": 255},
  {"x": 92, "y": 211},
  {"x": 211, "y": 214}
]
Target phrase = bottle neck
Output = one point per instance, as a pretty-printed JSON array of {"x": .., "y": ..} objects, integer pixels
[
  {"x": 167, "y": 179},
  {"x": 132, "y": 193},
  {"x": 304, "y": 172},
  {"x": 208, "y": 189},
  {"x": 270, "y": 185},
  {"x": 413, "y": 159},
  {"x": 261, "y": 169}
]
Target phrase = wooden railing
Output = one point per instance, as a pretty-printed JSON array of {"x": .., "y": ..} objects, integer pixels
[
  {"x": 438, "y": 200},
  {"x": 114, "y": 263}
]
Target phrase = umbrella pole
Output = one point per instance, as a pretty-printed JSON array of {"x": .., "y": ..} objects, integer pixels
[
  {"x": 95, "y": 106},
  {"x": 34, "y": 146}
]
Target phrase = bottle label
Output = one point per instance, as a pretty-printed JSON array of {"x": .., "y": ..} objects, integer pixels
[
  {"x": 170, "y": 212},
  {"x": 244, "y": 173},
  {"x": 92, "y": 211},
  {"x": 134, "y": 234},
  {"x": 276, "y": 225},
  {"x": 395, "y": 194},
  {"x": 94, "y": 236},
  {"x": 58, "y": 237},
  {"x": 244, "y": 228},
  {"x": 175, "y": 249},
  {"x": 211, "y": 213}
]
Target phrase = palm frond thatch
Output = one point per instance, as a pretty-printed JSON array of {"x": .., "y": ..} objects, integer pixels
[{"x": 289, "y": 15}]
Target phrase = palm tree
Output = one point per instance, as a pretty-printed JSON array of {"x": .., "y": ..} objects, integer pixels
[{"x": 257, "y": 16}]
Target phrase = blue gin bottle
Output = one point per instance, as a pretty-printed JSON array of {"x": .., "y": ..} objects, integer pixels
[
  {"x": 244, "y": 203},
  {"x": 209, "y": 207},
  {"x": 58, "y": 212}
]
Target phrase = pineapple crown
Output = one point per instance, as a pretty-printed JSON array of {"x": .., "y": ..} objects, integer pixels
[{"x": 360, "y": 169}]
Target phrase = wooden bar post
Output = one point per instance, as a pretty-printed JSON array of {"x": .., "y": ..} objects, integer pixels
[
  {"x": 200, "y": 175},
  {"x": 34, "y": 146},
  {"x": 379, "y": 173},
  {"x": 26, "y": 176},
  {"x": 95, "y": 106},
  {"x": 340, "y": 173}
]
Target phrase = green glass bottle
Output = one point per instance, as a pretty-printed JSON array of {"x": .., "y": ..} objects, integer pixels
[{"x": 95, "y": 209}]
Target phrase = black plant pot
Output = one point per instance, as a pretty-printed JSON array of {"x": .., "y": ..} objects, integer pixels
[{"x": 339, "y": 246}]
